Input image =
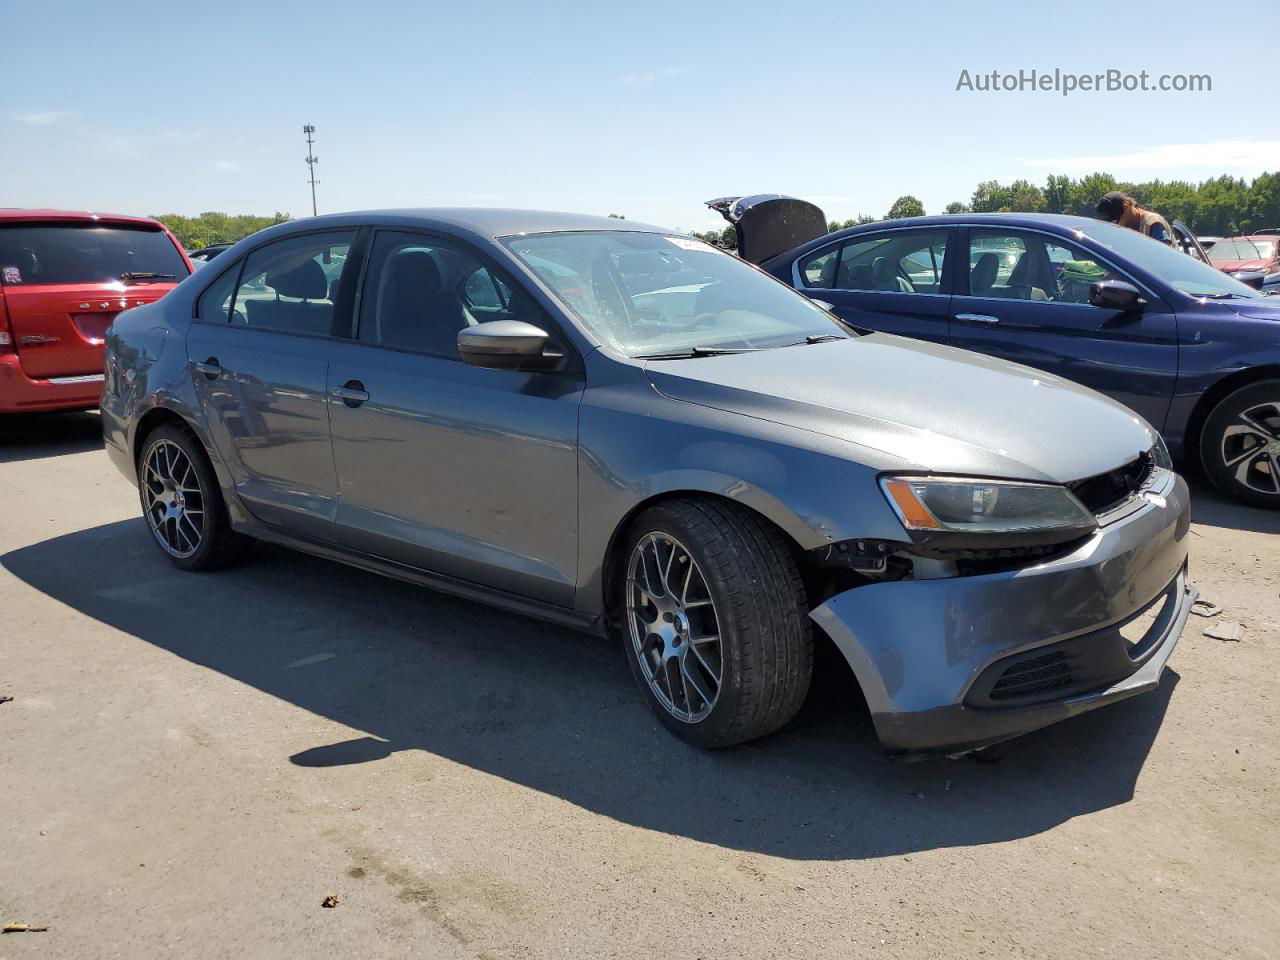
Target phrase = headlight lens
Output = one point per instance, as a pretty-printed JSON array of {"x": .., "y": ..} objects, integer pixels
[
  {"x": 946, "y": 504},
  {"x": 1160, "y": 454}
]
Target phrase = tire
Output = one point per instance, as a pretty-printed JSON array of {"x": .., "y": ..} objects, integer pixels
[
  {"x": 745, "y": 586},
  {"x": 1240, "y": 444},
  {"x": 187, "y": 519}
]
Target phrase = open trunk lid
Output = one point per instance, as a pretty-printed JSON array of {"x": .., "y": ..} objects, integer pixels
[{"x": 768, "y": 224}]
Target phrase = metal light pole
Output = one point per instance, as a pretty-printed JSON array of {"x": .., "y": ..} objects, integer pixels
[{"x": 312, "y": 160}]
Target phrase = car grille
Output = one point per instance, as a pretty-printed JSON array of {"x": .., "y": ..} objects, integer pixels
[
  {"x": 1037, "y": 675},
  {"x": 1106, "y": 491}
]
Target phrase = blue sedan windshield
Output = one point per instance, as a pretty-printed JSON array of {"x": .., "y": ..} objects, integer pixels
[
  {"x": 649, "y": 294},
  {"x": 1175, "y": 268}
]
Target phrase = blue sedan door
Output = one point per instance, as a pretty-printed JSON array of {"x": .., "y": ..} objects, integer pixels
[
  {"x": 1027, "y": 300},
  {"x": 892, "y": 280}
]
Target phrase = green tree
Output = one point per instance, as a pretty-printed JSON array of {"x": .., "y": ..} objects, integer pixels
[
  {"x": 905, "y": 206},
  {"x": 214, "y": 227},
  {"x": 955, "y": 206}
]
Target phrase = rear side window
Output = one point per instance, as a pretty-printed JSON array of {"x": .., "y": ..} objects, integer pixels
[
  {"x": 818, "y": 270},
  {"x": 214, "y": 305},
  {"x": 78, "y": 253},
  {"x": 290, "y": 286}
]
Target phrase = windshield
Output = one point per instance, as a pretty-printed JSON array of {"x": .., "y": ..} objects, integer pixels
[
  {"x": 649, "y": 294},
  {"x": 1175, "y": 268},
  {"x": 1243, "y": 249},
  {"x": 75, "y": 253}
]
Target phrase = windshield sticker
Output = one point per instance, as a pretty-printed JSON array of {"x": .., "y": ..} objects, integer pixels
[
  {"x": 688, "y": 243},
  {"x": 12, "y": 275}
]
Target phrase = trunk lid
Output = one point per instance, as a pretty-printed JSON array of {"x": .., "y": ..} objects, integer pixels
[
  {"x": 768, "y": 224},
  {"x": 58, "y": 331}
]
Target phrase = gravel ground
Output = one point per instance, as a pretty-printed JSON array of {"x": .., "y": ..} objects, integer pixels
[{"x": 192, "y": 763}]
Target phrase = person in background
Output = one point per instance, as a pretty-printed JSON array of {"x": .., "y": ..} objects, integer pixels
[{"x": 1121, "y": 208}]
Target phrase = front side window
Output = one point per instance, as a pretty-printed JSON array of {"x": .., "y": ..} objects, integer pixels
[
  {"x": 1017, "y": 265},
  {"x": 67, "y": 253},
  {"x": 1173, "y": 267},
  {"x": 650, "y": 294},
  {"x": 420, "y": 292},
  {"x": 902, "y": 262},
  {"x": 289, "y": 286}
]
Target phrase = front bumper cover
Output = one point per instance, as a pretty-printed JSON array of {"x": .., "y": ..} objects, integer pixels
[{"x": 919, "y": 647}]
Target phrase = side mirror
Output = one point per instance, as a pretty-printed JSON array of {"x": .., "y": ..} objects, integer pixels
[
  {"x": 506, "y": 345},
  {"x": 1115, "y": 295}
]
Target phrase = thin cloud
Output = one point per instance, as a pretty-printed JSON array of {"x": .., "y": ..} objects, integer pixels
[
  {"x": 46, "y": 119},
  {"x": 227, "y": 166},
  {"x": 655, "y": 76},
  {"x": 1215, "y": 154}
]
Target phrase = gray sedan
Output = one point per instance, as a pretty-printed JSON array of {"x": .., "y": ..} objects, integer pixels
[{"x": 627, "y": 431}]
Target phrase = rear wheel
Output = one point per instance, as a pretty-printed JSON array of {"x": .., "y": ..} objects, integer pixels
[
  {"x": 715, "y": 624},
  {"x": 1240, "y": 444},
  {"x": 182, "y": 504}
]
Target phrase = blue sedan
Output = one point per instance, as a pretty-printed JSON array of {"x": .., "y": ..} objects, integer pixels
[{"x": 1193, "y": 351}]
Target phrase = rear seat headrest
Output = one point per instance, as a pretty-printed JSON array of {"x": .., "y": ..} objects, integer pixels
[{"x": 306, "y": 281}]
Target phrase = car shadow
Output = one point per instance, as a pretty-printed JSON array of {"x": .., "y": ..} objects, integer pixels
[
  {"x": 31, "y": 436},
  {"x": 1211, "y": 508},
  {"x": 558, "y": 711}
]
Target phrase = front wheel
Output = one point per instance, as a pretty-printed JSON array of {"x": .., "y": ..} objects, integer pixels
[
  {"x": 715, "y": 621},
  {"x": 182, "y": 504},
  {"x": 1240, "y": 444}
]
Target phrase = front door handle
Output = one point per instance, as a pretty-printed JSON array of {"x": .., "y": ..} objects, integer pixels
[
  {"x": 977, "y": 318},
  {"x": 210, "y": 368},
  {"x": 352, "y": 393}
]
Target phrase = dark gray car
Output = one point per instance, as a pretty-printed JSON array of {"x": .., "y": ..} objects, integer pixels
[{"x": 625, "y": 430}]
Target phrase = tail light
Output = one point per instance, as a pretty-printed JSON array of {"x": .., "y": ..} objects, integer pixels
[{"x": 6, "y": 332}]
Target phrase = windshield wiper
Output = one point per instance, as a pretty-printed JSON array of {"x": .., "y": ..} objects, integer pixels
[
  {"x": 129, "y": 277},
  {"x": 819, "y": 338},
  {"x": 1224, "y": 295},
  {"x": 697, "y": 352}
]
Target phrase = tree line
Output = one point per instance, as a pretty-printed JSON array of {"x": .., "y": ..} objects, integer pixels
[
  {"x": 1222, "y": 206},
  {"x": 195, "y": 233}
]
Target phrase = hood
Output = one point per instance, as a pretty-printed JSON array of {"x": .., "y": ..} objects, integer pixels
[
  {"x": 1259, "y": 308},
  {"x": 1230, "y": 266},
  {"x": 927, "y": 406}
]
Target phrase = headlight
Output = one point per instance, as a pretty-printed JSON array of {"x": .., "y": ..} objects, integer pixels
[
  {"x": 952, "y": 505},
  {"x": 1160, "y": 454}
]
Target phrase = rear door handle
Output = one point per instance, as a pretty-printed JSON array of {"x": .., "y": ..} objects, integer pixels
[
  {"x": 352, "y": 393},
  {"x": 210, "y": 368},
  {"x": 977, "y": 318}
]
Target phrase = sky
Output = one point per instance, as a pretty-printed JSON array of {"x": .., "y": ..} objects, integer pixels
[{"x": 640, "y": 109}]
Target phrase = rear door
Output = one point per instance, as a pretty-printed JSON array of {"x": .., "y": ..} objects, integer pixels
[
  {"x": 260, "y": 350},
  {"x": 65, "y": 282},
  {"x": 1026, "y": 298},
  {"x": 891, "y": 280}
]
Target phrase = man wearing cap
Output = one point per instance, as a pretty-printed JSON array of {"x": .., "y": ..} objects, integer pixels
[{"x": 1121, "y": 208}]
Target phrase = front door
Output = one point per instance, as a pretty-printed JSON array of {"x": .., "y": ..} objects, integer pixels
[
  {"x": 260, "y": 350},
  {"x": 891, "y": 281},
  {"x": 463, "y": 471},
  {"x": 1028, "y": 300}
]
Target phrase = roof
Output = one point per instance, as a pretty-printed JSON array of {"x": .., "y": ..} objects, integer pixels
[
  {"x": 11, "y": 214},
  {"x": 489, "y": 222}
]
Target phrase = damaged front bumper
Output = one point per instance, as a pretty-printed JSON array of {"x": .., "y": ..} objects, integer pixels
[{"x": 958, "y": 663}]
